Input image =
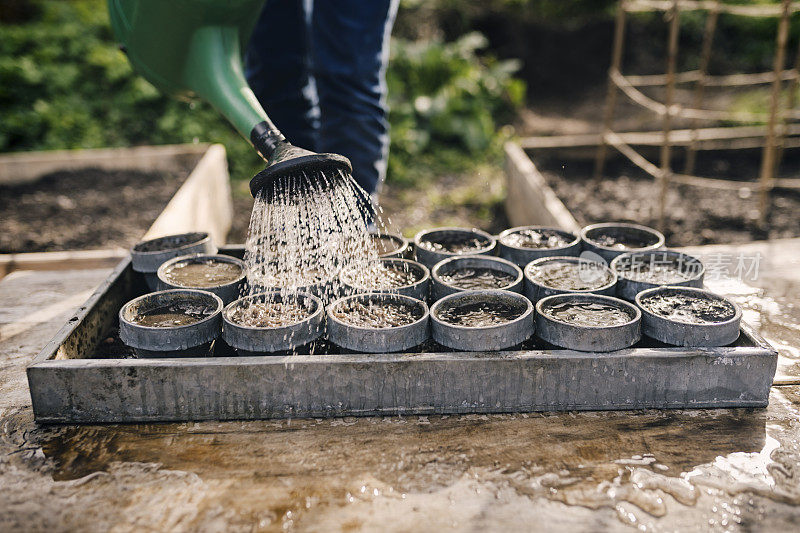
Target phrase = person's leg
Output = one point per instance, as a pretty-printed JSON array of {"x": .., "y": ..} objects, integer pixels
[
  {"x": 277, "y": 69},
  {"x": 349, "y": 52}
]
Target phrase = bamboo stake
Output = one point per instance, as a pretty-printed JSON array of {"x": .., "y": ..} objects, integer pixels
[
  {"x": 700, "y": 88},
  {"x": 767, "y": 174},
  {"x": 611, "y": 95},
  {"x": 666, "y": 147}
]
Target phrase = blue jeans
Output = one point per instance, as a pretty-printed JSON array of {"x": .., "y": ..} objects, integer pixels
[{"x": 318, "y": 69}]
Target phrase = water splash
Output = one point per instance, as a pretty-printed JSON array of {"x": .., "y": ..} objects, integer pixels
[{"x": 306, "y": 230}]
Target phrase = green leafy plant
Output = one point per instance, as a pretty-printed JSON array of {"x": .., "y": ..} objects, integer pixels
[{"x": 447, "y": 103}]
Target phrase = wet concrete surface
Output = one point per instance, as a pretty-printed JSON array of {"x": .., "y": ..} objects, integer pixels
[{"x": 717, "y": 470}]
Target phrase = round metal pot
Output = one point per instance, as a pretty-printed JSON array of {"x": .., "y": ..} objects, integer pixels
[
  {"x": 190, "y": 340},
  {"x": 378, "y": 340},
  {"x": 640, "y": 239},
  {"x": 522, "y": 255},
  {"x": 256, "y": 340},
  {"x": 595, "y": 277},
  {"x": 228, "y": 292},
  {"x": 431, "y": 257},
  {"x": 147, "y": 256},
  {"x": 587, "y": 333},
  {"x": 442, "y": 288},
  {"x": 482, "y": 338},
  {"x": 419, "y": 289},
  {"x": 400, "y": 246},
  {"x": 678, "y": 331},
  {"x": 640, "y": 271}
]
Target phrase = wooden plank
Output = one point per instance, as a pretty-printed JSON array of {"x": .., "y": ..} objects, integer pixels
[
  {"x": 529, "y": 200},
  {"x": 68, "y": 260},
  {"x": 25, "y": 167},
  {"x": 203, "y": 203}
]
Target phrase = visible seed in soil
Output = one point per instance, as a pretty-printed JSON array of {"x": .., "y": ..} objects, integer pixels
[
  {"x": 477, "y": 278},
  {"x": 536, "y": 239},
  {"x": 269, "y": 314},
  {"x": 663, "y": 271},
  {"x": 376, "y": 314},
  {"x": 454, "y": 244},
  {"x": 572, "y": 276},
  {"x": 173, "y": 315},
  {"x": 480, "y": 314},
  {"x": 588, "y": 313},
  {"x": 202, "y": 273},
  {"x": 385, "y": 244},
  {"x": 383, "y": 276},
  {"x": 167, "y": 243},
  {"x": 689, "y": 309},
  {"x": 623, "y": 241}
]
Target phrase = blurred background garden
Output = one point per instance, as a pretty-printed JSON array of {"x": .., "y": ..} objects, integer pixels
[{"x": 465, "y": 76}]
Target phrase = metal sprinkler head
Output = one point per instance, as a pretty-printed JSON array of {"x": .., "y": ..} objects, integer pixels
[{"x": 289, "y": 160}]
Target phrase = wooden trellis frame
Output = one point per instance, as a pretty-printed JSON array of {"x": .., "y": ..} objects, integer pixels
[{"x": 777, "y": 119}]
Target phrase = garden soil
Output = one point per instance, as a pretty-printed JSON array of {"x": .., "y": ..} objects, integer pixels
[{"x": 83, "y": 209}]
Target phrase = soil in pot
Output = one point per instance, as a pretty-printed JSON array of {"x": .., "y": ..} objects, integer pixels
[
  {"x": 663, "y": 271},
  {"x": 587, "y": 314},
  {"x": 571, "y": 276},
  {"x": 455, "y": 244},
  {"x": 269, "y": 314},
  {"x": 477, "y": 278},
  {"x": 203, "y": 273},
  {"x": 174, "y": 315},
  {"x": 385, "y": 244},
  {"x": 689, "y": 309},
  {"x": 479, "y": 314},
  {"x": 376, "y": 313},
  {"x": 379, "y": 275},
  {"x": 536, "y": 239}
]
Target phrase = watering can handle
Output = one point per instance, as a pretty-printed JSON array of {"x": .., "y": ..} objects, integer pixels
[{"x": 191, "y": 48}]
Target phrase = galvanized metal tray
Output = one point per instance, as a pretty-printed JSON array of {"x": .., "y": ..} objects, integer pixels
[{"x": 70, "y": 382}]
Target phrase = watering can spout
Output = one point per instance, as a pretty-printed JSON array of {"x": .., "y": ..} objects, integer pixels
[{"x": 193, "y": 48}]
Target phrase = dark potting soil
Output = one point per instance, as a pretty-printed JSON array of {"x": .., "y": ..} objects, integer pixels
[
  {"x": 480, "y": 314},
  {"x": 270, "y": 314},
  {"x": 536, "y": 239},
  {"x": 170, "y": 242},
  {"x": 173, "y": 315},
  {"x": 203, "y": 273},
  {"x": 695, "y": 215},
  {"x": 456, "y": 244},
  {"x": 376, "y": 314},
  {"x": 689, "y": 309},
  {"x": 82, "y": 209},
  {"x": 572, "y": 276},
  {"x": 382, "y": 276},
  {"x": 588, "y": 313},
  {"x": 477, "y": 278}
]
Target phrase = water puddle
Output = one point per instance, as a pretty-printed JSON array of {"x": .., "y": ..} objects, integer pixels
[
  {"x": 689, "y": 309},
  {"x": 173, "y": 315},
  {"x": 479, "y": 314},
  {"x": 203, "y": 273},
  {"x": 588, "y": 313},
  {"x": 536, "y": 239},
  {"x": 477, "y": 278}
]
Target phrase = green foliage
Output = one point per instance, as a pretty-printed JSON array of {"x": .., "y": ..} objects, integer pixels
[
  {"x": 446, "y": 104},
  {"x": 65, "y": 85}
]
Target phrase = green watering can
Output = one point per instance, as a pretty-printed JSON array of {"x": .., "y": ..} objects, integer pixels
[{"x": 193, "y": 48}]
